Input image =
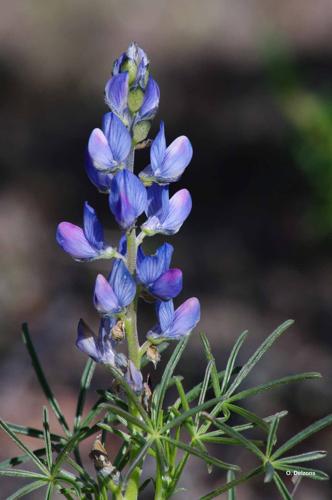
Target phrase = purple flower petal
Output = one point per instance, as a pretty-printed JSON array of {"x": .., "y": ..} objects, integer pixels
[
  {"x": 179, "y": 208},
  {"x": 127, "y": 199},
  {"x": 165, "y": 313},
  {"x": 150, "y": 102},
  {"x": 158, "y": 149},
  {"x": 151, "y": 267},
  {"x": 86, "y": 341},
  {"x": 177, "y": 158},
  {"x": 116, "y": 93},
  {"x": 93, "y": 230},
  {"x": 158, "y": 200},
  {"x": 118, "y": 137},
  {"x": 168, "y": 285},
  {"x": 185, "y": 319},
  {"x": 104, "y": 298},
  {"x": 134, "y": 377},
  {"x": 99, "y": 179},
  {"x": 100, "y": 152},
  {"x": 73, "y": 241},
  {"x": 122, "y": 283}
]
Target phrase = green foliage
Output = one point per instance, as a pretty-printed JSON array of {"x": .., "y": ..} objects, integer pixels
[{"x": 169, "y": 434}]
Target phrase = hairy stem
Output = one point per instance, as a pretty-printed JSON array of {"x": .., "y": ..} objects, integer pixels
[{"x": 131, "y": 317}]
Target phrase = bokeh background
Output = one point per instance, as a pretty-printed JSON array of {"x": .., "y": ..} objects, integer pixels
[{"x": 250, "y": 82}]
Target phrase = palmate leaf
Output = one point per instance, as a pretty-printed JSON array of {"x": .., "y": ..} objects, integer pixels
[
  {"x": 253, "y": 360},
  {"x": 42, "y": 379},
  {"x": 307, "y": 432}
]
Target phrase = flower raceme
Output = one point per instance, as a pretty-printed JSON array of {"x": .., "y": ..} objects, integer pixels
[{"x": 133, "y": 98}]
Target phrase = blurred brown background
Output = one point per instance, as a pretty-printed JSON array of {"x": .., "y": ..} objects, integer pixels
[{"x": 250, "y": 82}]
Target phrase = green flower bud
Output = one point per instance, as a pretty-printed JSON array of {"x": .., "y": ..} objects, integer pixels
[
  {"x": 135, "y": 99},
  {"x": 141, "y": 130},
  {"x": 130, "y": 66}
]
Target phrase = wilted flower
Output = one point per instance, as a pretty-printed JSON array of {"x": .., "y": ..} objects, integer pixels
[
  {"x": 87, "y": 243},
  {"x": 167, "y": 164},
  {"x": 127, "y": 199},
  {"x": 109, "y": 148},
  {"x": 174, "y": 325},
  {"x": 113, "y": 295},
  {"x": 100, "y": 348},
  {"x": 134, "y": 377},
  {"x": 166, "y": 215},
  {"x": 154, "y": 273}
]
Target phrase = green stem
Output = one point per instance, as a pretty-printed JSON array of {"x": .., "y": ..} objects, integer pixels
[{"x": 131, "y": 316}]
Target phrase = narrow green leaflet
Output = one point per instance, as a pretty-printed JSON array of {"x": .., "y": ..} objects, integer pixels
[
  {"x": 210, "y": 358},
  {"x": 308, "y": 431},
  {"x": 22, "y": 473},
  {"x": 248, "y": 415},
  {"x": 272, "y": 436},
  {"x": 25, "y": 490},
  {"x": 232, "y": 359},
  {"x": 23, "y": 447},
  {"x": 308, "y": 472},
  {"x": 137, "y": 461},
  {"x": 84, "y": 386},
  {"x": 236, "y": 435},
  {"x": 160, "y": 391},
  {"x": 273, "y": 384},
  {"x": 47, "y": 438},
  {"x": 303, "y": 457},
  {"x": 204, "y": 456},
  {"x": 49, "y": 491},
  {"x": 42, "y": 379},
  {"x": 229, "y": 485},
  {"x": 231, "y": 493},
  {"x": 285, "y": 495},
  {"x": 32, "y": 432},
  {"x": 205, "y": 385},
  {"x": 127, "y": 416},
  {"x": 253, "y": 360}
]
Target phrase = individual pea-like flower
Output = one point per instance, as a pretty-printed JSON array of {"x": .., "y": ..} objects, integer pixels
[
  {"x": 116, "y": 96},
  {"x": 150, "y": 102},
  {"x": 100, "y": 348},
  {"x": 154, "y": 273},
  {"x": 127, "y": 198},
  {"x": 109, "y": 148},
  {"x": 167, "y": 164},
  {"x": 134, "y": 377},
  {"x": 112, "y": 295},
  {"x": 174, "y": 325},
  {"x": 84, "y": 244},
  {"x": 165, "y": 215},
  {"x": 136, "y": 63}
]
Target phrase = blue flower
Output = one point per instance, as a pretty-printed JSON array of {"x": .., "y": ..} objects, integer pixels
[
  {"x": 127, "y": 199},
  {"x": 165, "y": 215},
  {"x": 134, "y": 377},
  {"x": 154, "y": 273},
  {"x": 174, "y": 325},
  {"x": 100, "y": 348},
  {"x": 99, "y": 179},
  {"x": 109, "y": 148},
  {"x": 84, "y": 244},
  {"x": 136, "y": 63},
  {"x": 167, "y": 164},
  {"x": 112, "y": 295}
]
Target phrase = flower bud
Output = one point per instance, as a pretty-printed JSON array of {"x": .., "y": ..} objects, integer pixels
[{"x": 141, "y": 130}]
